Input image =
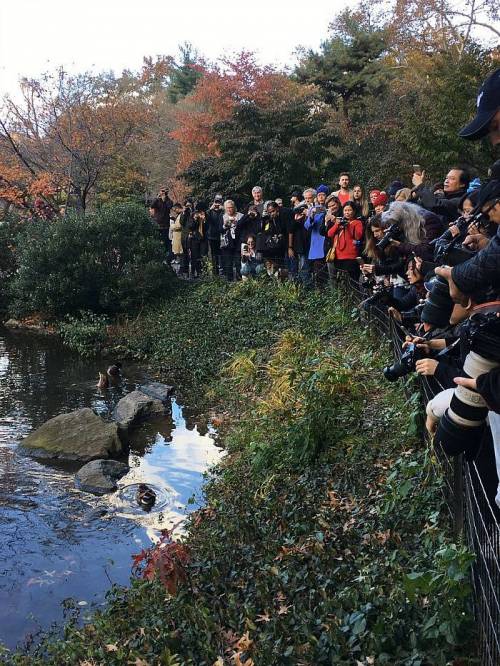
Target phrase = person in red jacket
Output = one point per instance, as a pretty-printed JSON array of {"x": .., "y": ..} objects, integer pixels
[{"x": 346, "y": 235}]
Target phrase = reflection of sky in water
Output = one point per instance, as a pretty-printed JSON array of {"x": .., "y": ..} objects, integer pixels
[
  {"x": 176, "y": 466},
  {"x": 57, "y": 542}
]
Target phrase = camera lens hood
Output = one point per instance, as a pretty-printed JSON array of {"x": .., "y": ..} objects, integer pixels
[{"x": 455, "y": 439}]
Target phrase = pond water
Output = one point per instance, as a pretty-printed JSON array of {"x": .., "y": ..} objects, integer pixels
[{"x": 57, "y": 543}]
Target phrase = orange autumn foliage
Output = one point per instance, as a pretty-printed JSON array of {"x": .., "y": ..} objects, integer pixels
[{"x": 237, "y": 81}]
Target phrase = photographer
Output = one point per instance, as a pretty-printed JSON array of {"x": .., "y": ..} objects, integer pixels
[
  {"x": 483, "y": 269},
  {"x": 446, "y": 206},
  {"x": 379, "y": 262},
  {"x": 186, "y": 222},
  {"x": 313, "y": 224},
  {"x": 229, "y": 251},
  {"x": 213, "y": 225},
  {"x": 298, "y": 245},
  {"x": 403, "y": 298},
  {"x": 271, "y": 240},
  {"x": 458, "y": 230},
  {"x": 251, "y": 262},
  {"x": 414, "y": 229},
  {"x": 248, "y": 225},
  {"x": 333, "y": 214},
  {"x": 346, "y": 235},
  {"x": 160, "y": 211}
]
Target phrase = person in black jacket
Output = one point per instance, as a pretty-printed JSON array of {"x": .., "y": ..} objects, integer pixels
[
  {"x": 455, "y": 186},
  {"x": 380, "y": 262},
  {"x": 249, "y": 225},
  {"x": 483, "y": 270},
  {"x": 160, "y": 211},
  {"x": 213, "y": 226},
  {"x": 272, "y": 239}
]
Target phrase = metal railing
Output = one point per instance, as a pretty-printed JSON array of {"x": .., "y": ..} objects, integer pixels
[{"x": 469, "y": 490}]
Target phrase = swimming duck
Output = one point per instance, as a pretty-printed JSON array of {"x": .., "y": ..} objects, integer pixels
[
  {"x": 114, "y": 370},
  {"x": 145, "y": 496},
  {"x": 103, "y": 381}
]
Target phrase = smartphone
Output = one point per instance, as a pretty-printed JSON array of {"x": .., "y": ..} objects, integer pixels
[{"x": 244, "y": 247}]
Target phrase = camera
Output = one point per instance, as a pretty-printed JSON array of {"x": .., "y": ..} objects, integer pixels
[
  {"x": 393, "y": 232},
  {"x": 438, "y": 306},
  {"x": 380, "y": 296},
  {"x": 461, "y": 427},
  {"x": 449, "y": 250},
  {"x": 405, "y": 365},
  {"x": 412, "y": 317},
  {"x": 300, "y": 208}
]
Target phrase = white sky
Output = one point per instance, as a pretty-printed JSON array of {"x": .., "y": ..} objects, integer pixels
[{"x": 40, "y": 35}]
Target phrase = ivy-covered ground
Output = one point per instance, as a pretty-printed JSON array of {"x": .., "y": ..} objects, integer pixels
[{"x": 324, "y": 539}]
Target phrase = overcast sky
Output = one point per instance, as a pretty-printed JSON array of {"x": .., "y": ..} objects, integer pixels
[{"x": 39, "y": 35}]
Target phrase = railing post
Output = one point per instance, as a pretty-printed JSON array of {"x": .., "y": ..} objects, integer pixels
[{"x": 458, "y": 495}]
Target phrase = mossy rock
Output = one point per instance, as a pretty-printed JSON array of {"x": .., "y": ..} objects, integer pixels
[{"x": 80, "y": 435}]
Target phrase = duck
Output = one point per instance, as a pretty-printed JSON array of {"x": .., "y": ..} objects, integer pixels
[
  {"x": 103, "y": 381},
  {"x": 114, "y": 370},
  {"x": 145, "y": 496}
]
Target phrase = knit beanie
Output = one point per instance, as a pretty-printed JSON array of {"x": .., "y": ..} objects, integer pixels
[{"x": 381, "y": 199}]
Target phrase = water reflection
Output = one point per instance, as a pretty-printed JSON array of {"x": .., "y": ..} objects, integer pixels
[{"x": 57, "y": 542}]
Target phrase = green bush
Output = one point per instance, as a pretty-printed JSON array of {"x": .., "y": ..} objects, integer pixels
[
  {"x": 108, "y": 262},
  {"x": 86, "y": 332},
  {"x": 8, "y": 230}
]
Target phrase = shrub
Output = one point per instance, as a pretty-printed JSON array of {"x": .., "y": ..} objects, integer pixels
[
  {"x": 8, "y": 231},
  {"x": 108, "y": 262},
  {"x": 86, "y": 333}
]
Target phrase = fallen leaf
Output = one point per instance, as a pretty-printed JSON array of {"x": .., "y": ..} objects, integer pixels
[
  {"x": 283, "y": 610},
  {"x": 111, "y": 647},
  {"x": 244, "y": 642},
  {"x": 263, "y": 618},
  {"x": 139, "y": 662}
]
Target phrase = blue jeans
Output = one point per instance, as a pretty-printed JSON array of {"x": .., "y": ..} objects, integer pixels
[{"x": 251, "y": 268}]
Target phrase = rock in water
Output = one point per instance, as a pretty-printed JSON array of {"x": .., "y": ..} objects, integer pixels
[
  {"x": 156, "y": 390},
  {"x": 80, "y": 435},
  {"x": 136, "y": 407},
  {"x": 100, "y": 476}
]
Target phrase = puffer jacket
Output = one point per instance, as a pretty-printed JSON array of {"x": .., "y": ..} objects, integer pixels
[{"x": 482, "y": 271}]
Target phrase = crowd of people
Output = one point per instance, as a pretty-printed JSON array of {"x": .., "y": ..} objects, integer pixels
[{"x": 427, "y": 255}]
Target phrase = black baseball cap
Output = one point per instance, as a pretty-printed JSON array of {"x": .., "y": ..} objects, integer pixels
[
  {"x": 488, "y": 102},
  {"x": 489, "y": 192}
]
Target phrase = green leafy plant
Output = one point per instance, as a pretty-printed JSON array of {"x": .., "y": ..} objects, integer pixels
[{"x": 109, "y": 262}]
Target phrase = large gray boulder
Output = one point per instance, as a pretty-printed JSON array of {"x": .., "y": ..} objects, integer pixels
[
  {"x": 80, "y": 435},
  {"x": 100, "y": 476},
  {"x": 136, "y": 407},
  {"x": 157, "y": 390}
]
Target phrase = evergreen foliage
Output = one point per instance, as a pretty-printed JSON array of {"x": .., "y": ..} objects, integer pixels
[
  {"x": 347, "y": 70},
  {"x": 108, "y": 262},
  {"x": 275, "y": 147},
  {"x": 184, "y": 75}
]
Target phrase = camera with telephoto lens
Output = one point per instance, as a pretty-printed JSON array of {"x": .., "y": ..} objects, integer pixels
[
  {"x": 412, "y": 317},
  {"x": 461, "y": 427},
  {"x": 449, "y": 250},
  {"x": 393, "y": 232},
  {"x": 380, "y": 296},
  {"x": 405, "y": 365}
]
